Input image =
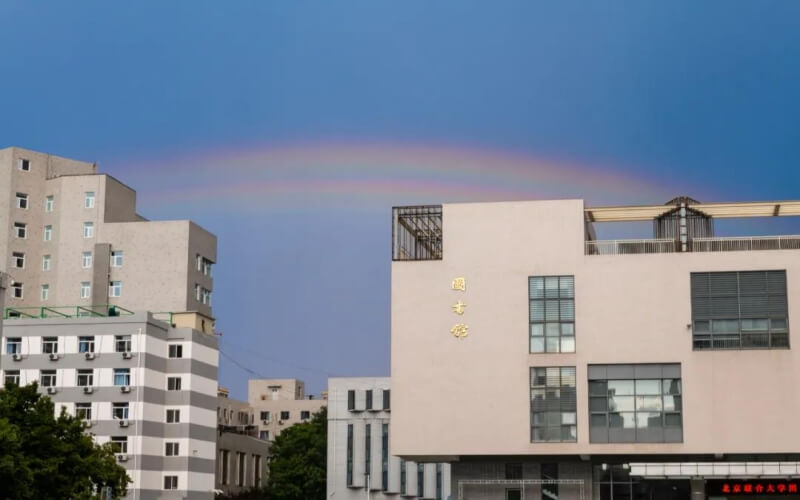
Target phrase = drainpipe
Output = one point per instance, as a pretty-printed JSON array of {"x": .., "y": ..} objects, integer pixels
[{"x": 683, "y": 229}]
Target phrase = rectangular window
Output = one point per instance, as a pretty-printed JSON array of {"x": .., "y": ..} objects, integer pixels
[
  {"x": 47, "y": 378},
  {"x": 369, "y": 399},
  {"x": 420, "y": 480},
  {"x": 740, "y": 310},
  {"x": 553, "y": 405},
  {"x": 47, "y": 233},
  {"x": 85, "y": 378},
  {"x": 14, "y": 345},
  {"x": 384, "y": 456},
  {"x": 22, "y": 201},
  {"x": 86, "y": 260},
  {"x": 417, "y": 233},
  {"x": 24, "y": 165},
  {"x": 351, "y": 400},
  {"x": 172, "y": 449},
  {"x": 83, "y": 411},
  {"x": 305, "y": 415},
  {"x": 549, "y": 472},
  {"x": 122, "y": 376},
  {"x": 349, "y": 454},
  {"x": 88, "y": 229},
  {"x": 88, "y": 199},
  {"x": 225, "y": 461},
  {"x": 18, "y": 259},
  {"x": 45, "y": 292},
  {"x": 257, "y": 470},
  {"x": 50, "y": 345},
  {"x": 204, "y": 265},
  {"x": 284, "y": 415},
  {"x": 46, "y": 262},
  {"x": 18, "y": 290},
  {"x": 241, "y": 470},
  {"x": 115, "y": 289},
  {"x": 635, "y": 403},
  {"x": 387, "y": 398},
  {"x": 86, "y": 344},
  {"x": 552, "y": 313},
  {"x": 368, "y": 449},
  {"x": 438, "y": 481},
  {"x": 265, "y": 416},
  {"x": 197, "y": 294},
  {"x": 173, "y": 416},
  {"x": 264, "y": 435},
  {"x": 170, "y": 482},
  {"x": 513, "y": 471},
  {"x": 122, "y": 343},
  {"x": 119, "y": 411},
  {"x": 20, "y": 230},
  {"x": 11, "y": 377},
  {"x": 173, "y": 383},
  {"x": 205, "y": 296},
  {"x": 403, "y": 477},
  {"x": 49, "y": 203},
  {"x": 86, "y": 289},
  {"x": 116, "y": 258},
  {"x": 175, "y": 351}
]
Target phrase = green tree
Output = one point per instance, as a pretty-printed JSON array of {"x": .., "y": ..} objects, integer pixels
[
  {"x": 297, "y": 462},
  {"x": 44, "y": 456}
]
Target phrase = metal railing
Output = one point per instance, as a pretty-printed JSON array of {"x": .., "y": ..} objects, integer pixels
[
  {"x": 627, "y": 247},
  {"x": 93, "y": 311},
  {"x": 743, "y": 243}
]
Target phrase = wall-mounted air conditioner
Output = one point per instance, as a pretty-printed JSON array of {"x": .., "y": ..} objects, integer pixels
[
  {"x": 125, "y": 388},
  {"x": 53, "y": 356},
  {"x": 51, "y": 390},
  {"x": 127, "y": 355},
  {"x": 122, "y": 457},
  {"x": 88, "y": 389},
  {"x": 17, "y": 356},
  {"x": 89, "y": 355},
  {"x": 123, "y": 423}
]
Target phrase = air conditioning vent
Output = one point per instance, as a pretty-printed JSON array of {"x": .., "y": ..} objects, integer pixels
[
  {"x": 125, "y": 388},
  {"x": 88, "y": 390},
  {"x": 90, "y": 355},
  {"x": 51, "y": 390},
  {"x": 53, "y": 356},
  {"x": 17, "y": 356},
  {"x": 121, "y": 457},
  {"x": 123, "y": 423},
  {"x": 127, "y": 355}
]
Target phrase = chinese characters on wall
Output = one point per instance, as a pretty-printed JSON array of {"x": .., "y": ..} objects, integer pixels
[
  {"x": 756, "y": 487},
  {"x": 459, "y": 330}
]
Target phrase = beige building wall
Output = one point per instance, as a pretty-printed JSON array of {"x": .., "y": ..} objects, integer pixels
[
  {"x": 275, "y": 396},
  {"x": 629, "y": 309}
]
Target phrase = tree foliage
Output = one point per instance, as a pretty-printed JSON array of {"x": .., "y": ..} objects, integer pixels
[
  {"x": 297, "y": 465},
  {"x": 44, "y": 456}
]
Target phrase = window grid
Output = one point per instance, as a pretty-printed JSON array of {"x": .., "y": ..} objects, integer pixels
[
  {"x": 553, "y": 404},
  {"x": 552, "y": 313}
]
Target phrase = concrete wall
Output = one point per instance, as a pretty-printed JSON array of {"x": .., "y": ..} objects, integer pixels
[{"x": 629, "y": 309}]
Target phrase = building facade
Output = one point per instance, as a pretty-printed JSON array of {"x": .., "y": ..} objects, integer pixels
[
  {"x": 655, "y": 368},
  {"x": 241, "y": 455},
  {"x": 147, "y": 387},
  {"x": 360, "y": 460},
  {"x": 70, "y": 238},
  {"x": 280, "y": 404}
]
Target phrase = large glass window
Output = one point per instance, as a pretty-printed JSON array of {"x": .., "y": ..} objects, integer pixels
[
  {"x": 85, "y": 378},
  {"x": 349, "y": 454},
  {"x": 120, "y": 411},
  {"x": 122, "y": 376},
  {"x": 635, "y": 403},
  {"x": 553, "y": 404},
  {"x": 552, "y": 313},
  {"x": 739, "y": 310},
  {"x": 83, "y": 411},
  {"x": 13, "y": 345},
  {"x": 85, "y": 344},
  {"x": 122, "y": 343}
]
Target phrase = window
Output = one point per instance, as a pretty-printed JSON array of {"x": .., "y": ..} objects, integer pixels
[
  {"x": 173, "y": 383},
  {"x": 387, "y": 397},
  {"x": 224, "y": 464},
  {"x": 86, "y": 260},
  {"x": 420, "y": 480},
  {"x": 173, "y": 416},
  {"x": 417, "y": 233},
  {"x": 119, "y": 444},
  {"x": 116, "y": 258},
  {"x": 47, "y": 378},
  {"x": 384, "y": 456},
  {"x": 172, "y": 449},
  {"x": 170, "y": 482},
  {"x": 18, "y": 259},
  {"x": 115, "y": 289},
  {"x": 47, "y": 233},
  {"x": 552, "y": 313},
  {"x": 50, "y": 345},
  {"x": 14, "y": 345},
  {"x": 204, "y": 265},
  {"x": 83, "y": 411},
  {"x": 549, "y": 472},
  {"x": 403, "y": 478},
  {"x": 88, "y": 199},
  {"x": 349, "y": 454},
  {"x": 11, "y": 377},
  {"x": 351, "y": 400},
  {"x": 20, "y": 230},
  {"x": 119, "y": 411},
  {"x": 240, "y": 476},
  {"x": 85, "y": 378},
  {"x": 513, "y": 471},
  {"x": 18, "y": 290},
  {"x": 122, "y": 376},
  {"x": 305, "y": 415},
  {"x": 175, "y": 351},
  {"x": 86, "y": 344},
  {"x": 369, "y": 399},
  {"x": 257, "y": 470},
  {"x": 199, "y": 262},
  {"x": 553, "y": 405},
  {"x": 88, "y": 229},
  {"x": 22, "y": 201},
  {"x": 635, "y": 403},
  {"x": 122, "y": 343},
  {"x": 739, "y": 310},
  {"x": 438, "y": 482},
  {"x": 49, "y": 203},
  {"x": 284, "y": 415},
  {"x": 205, "y": 296},
  {"x": 46, "y": 262},
  {"x": 197, "y": 294},
  {"x": 265, "y": 416},
  {"x": 86, "y": 289},
  {"x": 45, "y": 292},
  {"x": 24, "y": 165},
  {"x": 368, "y": 449},
  {"x": 264, "y": 435}
]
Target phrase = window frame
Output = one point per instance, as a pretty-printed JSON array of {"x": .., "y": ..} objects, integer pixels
[
  {"x": 18, "y": 290},
  {"x": 173, "y": 416},
  {"x": 13, "y": 345},
  {"x": 125, "y": 340},
  {"x": 48, "y": 378},
  {"x": 47, "y": 262},
  {"x": 84, "y": 377},
  {"x": 170, "y": 482},
  {"x": 172, "y": 449},
  {"x": 19, "y": 259},
  {"x": 125, "y": 373},
  {"x": 120, "y": 410},
  {"x": 117, "y": 258},
  {"x": 13, "y": 375},
  {"x": 553, "y": 405},
  {"x": 115, "y": 288},
  {"x": 49, "y": 203},
  {"x": 47, "y": 232},
  {"x": 541, "y": 330},
  {"x": 88, "y": 229},
  {"x": 83, "y": 410},
  {"x": 23, "y": 201},
  {"x": 24, "y": 165},
  {"x": 87, "y": 341},
  {"x": 85, "y": 290},
  {"x": 174, "y": 383},
  {"x": 177, "y": 353},
  {"x": 49, "y": 345},
  {"x": 21, "y": 230}
]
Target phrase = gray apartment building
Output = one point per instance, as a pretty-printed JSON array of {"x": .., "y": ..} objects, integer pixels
[
  {"x": 241, "y": 455},
  {"x": 542, "y": 362}
]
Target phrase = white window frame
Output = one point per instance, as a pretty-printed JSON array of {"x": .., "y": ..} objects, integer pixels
[
  {"x": 115, "y": 289},
  {"x": 49, "y": 203},
  {"x": 13, "y": 375},
  {"x": 88, "y": 230},
  {"x": 87, "y": 413},
  {"x": 21, "y": 228},
  {"x": 23, "y": 199},
  {"x": 45, "y": 292},
  {"x": 18, "y": 257},
  {"x": 88, "y": 377},
  {"x": 173, "y": 482},
  {"x": 16, "y": 342},
  {"x": 88, "y": 340},
  {"x": 50, "y": 345},
  {"x": 88, "y": 199},
  {"x": 47, "y": 233},
  {"x": 126, "y": 340},
  {"x": 122, "y": 372},
  {"x": 206, "y": 296},
  {"x": 178, "y": 351},
  {"x": 122, "y": 441},
  {"x": 86, "y": 260},
  {"x": 120, "y": 411},
  {"x": 177, "y": 381},
  {"x": 18, "y": 290},
  {"x": 116, "y": 258},
  {"x": 172, "y": 449},
  {"x": 86, "y": 289},
  {"x": 52, "y": 378},
  {"x": 176, "y": 415},
  {"x": 24, "y": 164},
  {"x": 47, "y": 262}
]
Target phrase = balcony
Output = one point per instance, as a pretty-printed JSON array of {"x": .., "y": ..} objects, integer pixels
[{"x": 715, "y": 244}]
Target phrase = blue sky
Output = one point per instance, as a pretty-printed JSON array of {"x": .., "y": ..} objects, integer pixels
[{"x": 684, "y": 97}]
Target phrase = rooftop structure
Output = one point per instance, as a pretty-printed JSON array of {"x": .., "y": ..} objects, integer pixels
[{"x": 279, "y": 404}]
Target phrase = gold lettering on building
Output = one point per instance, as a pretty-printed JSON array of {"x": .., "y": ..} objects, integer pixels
[
  {"x": 459, "y": 330},
  {"x": 458, "y": 307},
  {"x": 459, "y": 283}
]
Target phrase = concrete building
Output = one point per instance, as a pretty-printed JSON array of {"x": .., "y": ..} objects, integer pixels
[
  {"x": 280, "y": 404},
  {"x": 359, "y": 455},
  {"x": 70, "y": 238},
  {"x": 241, "y": 455},
  {"x": 138, "y": 382},
  {"x": 543, "y": 363}
]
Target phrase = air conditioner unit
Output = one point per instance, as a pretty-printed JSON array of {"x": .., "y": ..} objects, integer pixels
[
  {"x": 88, "y": 390},
  {"x": 125, "y": 388},
  {"x": 90, "y": 355},
  {"x": 127, "y": 355},
  {"x": 124, "y": 423},
  {"x": 121, "y": 457},
  {"x": 263, "y": 397},
  {"x": 265, "y": 422},
  {"x": 53, "y": 356},
  {"x": 17, "y": 356},
  {"x": 88, "y": 423},
  {"x": 280, "y": 422},
  {"x": 51, "y": 390}
]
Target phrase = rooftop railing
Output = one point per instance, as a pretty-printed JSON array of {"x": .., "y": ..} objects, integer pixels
[
  {"x": 95, "y": 311},
  {"x": 626, "y": 247},
  {"x": 716, "y": 244}
]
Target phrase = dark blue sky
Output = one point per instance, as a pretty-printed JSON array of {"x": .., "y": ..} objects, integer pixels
[{"x": 698, "y": 98}]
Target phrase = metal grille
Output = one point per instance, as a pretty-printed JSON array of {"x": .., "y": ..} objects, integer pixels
[
  {"x": 417, "y": 233},
  {"x": 529, "y": 489}
]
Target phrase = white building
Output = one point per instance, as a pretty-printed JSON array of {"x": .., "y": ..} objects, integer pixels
[{"x": 359, "y": 418}]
